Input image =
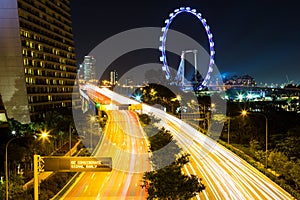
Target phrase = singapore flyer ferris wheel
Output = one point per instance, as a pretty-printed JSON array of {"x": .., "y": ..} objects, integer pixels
[{"x": 163, "y": 40}]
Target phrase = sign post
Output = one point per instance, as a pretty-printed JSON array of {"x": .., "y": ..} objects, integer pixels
[
  {"x": 38, "y": 165},
  {"x": 68, "y": 164}
]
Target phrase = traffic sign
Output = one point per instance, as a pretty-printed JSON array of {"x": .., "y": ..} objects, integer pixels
[{"x": 77, "y": 164}]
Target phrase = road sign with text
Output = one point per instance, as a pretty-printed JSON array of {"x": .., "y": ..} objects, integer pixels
[{"x": 77, "y": 164}]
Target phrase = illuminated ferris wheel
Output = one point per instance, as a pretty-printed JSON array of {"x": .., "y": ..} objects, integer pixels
[{"x": 163, "y": 40}]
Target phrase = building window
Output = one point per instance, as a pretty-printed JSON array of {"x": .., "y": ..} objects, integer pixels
[{"x": 32, "y": 45}]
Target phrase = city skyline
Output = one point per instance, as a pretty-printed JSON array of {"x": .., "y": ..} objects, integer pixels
[{"x": 255, "y": 38}]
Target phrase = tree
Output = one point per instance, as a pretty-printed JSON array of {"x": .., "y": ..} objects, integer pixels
[
  {"x": 277, "y": 160},
  {"x": 290, "y": 145},
  {"x": 170, "y": 183},
  {"x": 167, "y": 181}
]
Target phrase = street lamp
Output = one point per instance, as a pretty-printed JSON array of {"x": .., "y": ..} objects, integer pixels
[
  {"x": 244, "y": 113},
  {"x": 228, "y": 128},
  {"x": 43, "y": 136},
  {"x": 6, "y": 168}
]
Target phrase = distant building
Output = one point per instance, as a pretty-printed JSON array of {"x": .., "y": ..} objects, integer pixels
[
  {"x": 89, "y": 69},
  {"x": 244, "y": 80},
  {"x": 113, "y": 77},
  {"x": 37, "y": 58}
]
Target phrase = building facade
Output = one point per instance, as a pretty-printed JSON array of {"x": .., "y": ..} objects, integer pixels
[
  {"x": 37, "y": 58},
  {"x": 89, "y": 67}
]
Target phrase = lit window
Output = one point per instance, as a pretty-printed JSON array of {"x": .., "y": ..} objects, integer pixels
[
  {"x": 32, "y": 45},
  {"x": 25, "y": 62},
  {"x": 40, "y": 72}
]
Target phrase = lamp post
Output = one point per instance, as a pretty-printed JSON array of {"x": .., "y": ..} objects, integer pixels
[
  {"x": 244, "y": 113},
  {"x": 44, "y": 135},
  {"x": 6, "y": 167},
  {"x": 228, "y": 128}
]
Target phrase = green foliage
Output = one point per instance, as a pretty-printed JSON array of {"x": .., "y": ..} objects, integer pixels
[
  {"x": 290, "y": 144},
  {"x": 168, "y": 180},
  {"x": 145, "y": 119},
  {"x": 160, "y": 140},
  {"x": 170, "y": 183},
  {"x": 254, "y": 146}
]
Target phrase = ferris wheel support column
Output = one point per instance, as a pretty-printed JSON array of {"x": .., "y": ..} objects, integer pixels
[
  {"x": 182, "y": 74},
  {"x": 195, "y": 63}
]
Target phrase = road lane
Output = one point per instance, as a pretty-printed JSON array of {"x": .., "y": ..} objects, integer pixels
[{"x": 124, "y": 141}]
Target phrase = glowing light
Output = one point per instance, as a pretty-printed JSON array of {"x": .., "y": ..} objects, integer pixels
[
  {"x": 250, "y": 96},
  {"x": 138, "y": 97},
  {"x": 163, "y": 40},
  {"x": 240, "y": 97},
  {"x": 44, "y": 135},
  {"x": 244, "y": 112}
]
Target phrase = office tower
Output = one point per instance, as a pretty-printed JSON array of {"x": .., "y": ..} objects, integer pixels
[
  {"x": 113, "y": 77},
  {"x": 37, "y": 59},
  {"x": 89, "y": 68}
]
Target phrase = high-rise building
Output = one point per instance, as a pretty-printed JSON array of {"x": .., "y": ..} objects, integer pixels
[
  {"x": 89, "y": 67},
  {"x": 37, "y": 58},
  {"x": 113, "y": 76}
]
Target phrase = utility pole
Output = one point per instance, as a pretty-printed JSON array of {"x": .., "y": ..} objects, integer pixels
[{"x": 228, "y": 129}]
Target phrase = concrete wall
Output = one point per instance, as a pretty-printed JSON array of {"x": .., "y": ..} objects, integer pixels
[{"x": 12, "y": 77}]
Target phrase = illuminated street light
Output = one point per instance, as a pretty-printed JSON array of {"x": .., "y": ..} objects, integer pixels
[
  {"x": 43, "y": 135},
  {"x": 244, "y": 113}
]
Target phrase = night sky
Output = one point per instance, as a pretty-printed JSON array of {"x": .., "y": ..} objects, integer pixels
[{"x": 259, "y": 38}]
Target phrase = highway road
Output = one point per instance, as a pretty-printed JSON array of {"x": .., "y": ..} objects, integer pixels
[
  {"x": 226, "y": 175},
  {"x": 124, "y": 141}
]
